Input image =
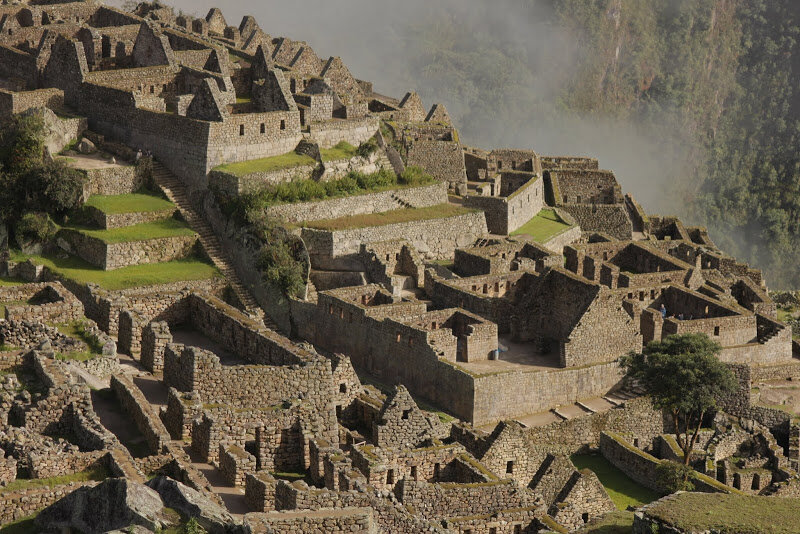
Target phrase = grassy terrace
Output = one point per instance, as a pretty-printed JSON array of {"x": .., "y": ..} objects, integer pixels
[
  {"x": 93, "y": 473},
  {"x": 274, "y": 163},
  {"x": 131, "y": 203},
  {"x": 622, "y": 490},
  {"x": 389, "y": 217},
  {"x": 546, "y": 225},
  {"x": 134, "y": 276},
  {"x": 8, "y": 282},
  {"x": 343, "y": 150},
  {"x": 730, "y": 514},
  {"x": 141, "y": 232},
  {"x": 613, "y": 523}
]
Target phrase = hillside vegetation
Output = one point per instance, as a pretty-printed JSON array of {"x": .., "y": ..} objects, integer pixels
[{"x": 711, "y": 84}]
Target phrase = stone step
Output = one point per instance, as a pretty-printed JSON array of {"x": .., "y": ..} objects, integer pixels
[
  {"x": 584, "y": 407},
  {"x": 174, "y": 190}
]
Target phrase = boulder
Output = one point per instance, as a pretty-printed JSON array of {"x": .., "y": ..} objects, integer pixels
[
  {"x": 192, "y": 504},
  {"x": 86, "y": 147},
  {"x": 110, "y": 348},
  {"x": 114, "y": 504}
]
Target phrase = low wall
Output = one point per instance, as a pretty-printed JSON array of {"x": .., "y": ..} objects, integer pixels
[
  {"x": 65, "y": 307},
  {"x": 119, "y": 220},
  {"x": 116, "y": 180},
  {"x": 641, "y": 467},
  {"x": 417, "y": 197},
  {"x": 342, "y": 520},
  {"x": 18, "y": 504},
  {"x": 433, "y": 238},
  {"x": 138, "y": 408},
  {"x": 232, "y": 185},
  {"x": 109, "y": 256},
  {"x": 12, "y": 102}
]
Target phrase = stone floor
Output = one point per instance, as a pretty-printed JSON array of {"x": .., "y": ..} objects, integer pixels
[
  {"x": 518, "y": 357},
  {"x": 92, "y": 161},
  {"x": 196, "y": 339},
  {"x": 780, "y": 394}
]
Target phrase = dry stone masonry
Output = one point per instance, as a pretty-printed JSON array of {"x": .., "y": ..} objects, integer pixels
[{"x": 434, "y": 374}]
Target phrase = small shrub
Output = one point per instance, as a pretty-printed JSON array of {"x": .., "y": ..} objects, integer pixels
[
  {"x": 193, "y": 527},
  {"x": 35, "y": 228},
  {"x": 367, "y": 148},
  {"x": 414, "y": 175},
  {"x": 672, "y": 477}
]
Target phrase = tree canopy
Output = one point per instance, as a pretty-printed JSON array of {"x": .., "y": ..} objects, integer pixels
[{"x": 683, "y": 376}]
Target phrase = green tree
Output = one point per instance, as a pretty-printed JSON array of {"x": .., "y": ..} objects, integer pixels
[
  {"x": 683, "y": 376},
  {"x": 672, "y": 477}
]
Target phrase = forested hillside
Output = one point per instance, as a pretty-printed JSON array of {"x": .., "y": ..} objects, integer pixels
[{"x": 693, "y": 102}]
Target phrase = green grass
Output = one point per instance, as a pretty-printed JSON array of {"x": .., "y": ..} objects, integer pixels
[
  {"x": 8, "y": 282},
  {"x": 24, "y": 525},
  {"x": 613, "y": 523},
  {"x": 134, "y": 276},
  {"x": 343, "y": 150},
  {"x": 130, "y": 203},
  {"x": 389, "y": 217},
  {"x": 730, "y": 514},
  {"x": 275, "y": 163},
  {"x": 77, "y": 330},
  {"x": 291, "y": 477},
  {"x": 546, "y": 225},
  {"x": 141, "y": 232},
  {"x": 92, "y": 473},
  {"x": 622, "y": 490}
]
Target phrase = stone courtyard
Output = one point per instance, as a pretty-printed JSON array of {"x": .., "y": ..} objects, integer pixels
[{"x": 441, "y": 369}]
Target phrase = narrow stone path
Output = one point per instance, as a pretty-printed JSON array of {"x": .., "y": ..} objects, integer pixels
[{"x": 176, "y": 193}]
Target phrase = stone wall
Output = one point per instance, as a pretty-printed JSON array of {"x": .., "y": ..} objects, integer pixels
[
  {"x": 432, "y": 501},
  {"x": 506, "y": 214},
  {"x": 141, "y": 412},
  {"x": 444, "y": 160},
  {"x": 18, "y": 504},
  {"x": 355, "y": 131},
  {"x": 12, "y": 102},
  {"x": 641, "y": 467},
  {"x": 119, "y": 220},
  {"x": 234, "y": 185},
  {"x": 43, "y": 302},
  {"x": 155, "y": 337},
  {"x": 197, "y": 370},
  {"x": 235, "y": 464},
  {"x": 343, "y": 520},
  {"x": 416, "y": 197},
  {"x": 114, "y": 180},
  {"x": 433, "y": 238},
  {"x": 504, "y": 395},
  {"x": 610, "y": 219},
  {"x": 109, "y": 256}
]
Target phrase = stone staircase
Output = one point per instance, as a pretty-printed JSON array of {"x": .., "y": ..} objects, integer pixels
[
  {"x": 400, "y": 202},
  {"x": 176, "y": 193}
]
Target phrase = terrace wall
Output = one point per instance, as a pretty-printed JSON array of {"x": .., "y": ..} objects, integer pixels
[
  {"x": 109, "y": 256},
  {"x": 433, "y": 238},
  {"x": 417, "y": 197}
]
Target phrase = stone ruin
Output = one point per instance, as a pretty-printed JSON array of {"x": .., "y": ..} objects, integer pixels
[{"x": 437, "y": 373}]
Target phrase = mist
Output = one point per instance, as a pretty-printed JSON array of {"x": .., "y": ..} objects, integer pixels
[{"x": 385, "y": 43}]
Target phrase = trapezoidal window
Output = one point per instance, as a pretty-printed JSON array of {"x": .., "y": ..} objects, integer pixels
[
  {"x": 283, "y": 125},
  {"x": 509, "y": 467},
  {"x": 241, "y": 129},
  {"x": 263, "y": 128}
]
